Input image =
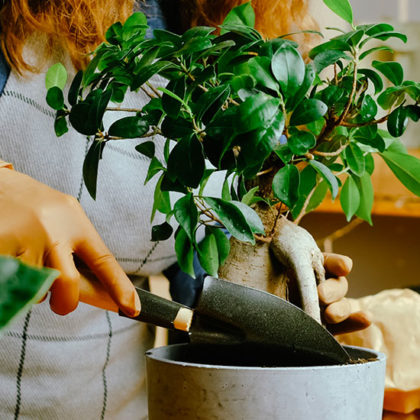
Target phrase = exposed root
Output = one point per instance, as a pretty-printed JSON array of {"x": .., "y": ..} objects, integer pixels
[{"x": 297, "y": 250}]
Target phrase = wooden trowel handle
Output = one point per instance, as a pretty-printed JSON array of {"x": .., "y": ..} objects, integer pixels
[{"x": 154, "y": 309}]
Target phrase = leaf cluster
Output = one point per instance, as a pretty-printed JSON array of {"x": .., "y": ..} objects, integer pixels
[{"x": 252, "y": 108}]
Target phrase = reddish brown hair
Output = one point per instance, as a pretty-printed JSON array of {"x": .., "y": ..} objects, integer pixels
[
  {"x": 273, "y": 17},
  {"x": 78, "y": 26}
]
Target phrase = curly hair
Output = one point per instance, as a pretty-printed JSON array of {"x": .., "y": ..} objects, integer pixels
[
  {"x": 78, "y": 26},
  {"x": 273, "y": 17}
]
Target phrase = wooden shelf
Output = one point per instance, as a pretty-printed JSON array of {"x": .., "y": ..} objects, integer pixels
[{"x": 391, "y": 197}]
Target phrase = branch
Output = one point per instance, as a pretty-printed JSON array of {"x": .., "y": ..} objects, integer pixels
[
  {"x": 326, "y": 242},
  {"x": 379, "y": 121},
  {"x": 154, "y": 90},
  {"x": 330, "y": 154},
  {"x": 305, "y": 205},
  {"x": 124, "y": 109}
]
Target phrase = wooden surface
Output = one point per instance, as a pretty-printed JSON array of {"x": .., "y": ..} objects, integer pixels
[{"x": 391, "y": 197}]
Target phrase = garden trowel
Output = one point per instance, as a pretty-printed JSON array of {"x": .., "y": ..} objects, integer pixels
[{"x": 230, "y": 314}]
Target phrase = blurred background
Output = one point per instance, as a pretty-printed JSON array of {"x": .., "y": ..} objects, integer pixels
[{"x": 386, "y": 255}]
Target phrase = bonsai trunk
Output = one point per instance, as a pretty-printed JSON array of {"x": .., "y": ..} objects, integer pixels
[{"x": 286, "y": 263}]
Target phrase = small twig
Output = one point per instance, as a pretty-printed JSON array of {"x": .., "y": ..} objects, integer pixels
[
  {"x": 330, "y": 154},
  {"x": 265, "y": 239},
  {"x": 266, "y": 171},
  {"x": 154, "y": 90},
  {"x": 379, "y": 121},
  {"x": 326, "y": 241},
  {"x": 305, "y": 205},
  {"x": 147, "y": 92},
  {"x": 124, "y": 109}
]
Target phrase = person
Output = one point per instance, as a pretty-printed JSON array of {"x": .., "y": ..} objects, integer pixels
[{"x": 89, "y": 363}]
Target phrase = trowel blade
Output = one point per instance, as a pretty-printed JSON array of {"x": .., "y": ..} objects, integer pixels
[{"x": 228, "y": 313}]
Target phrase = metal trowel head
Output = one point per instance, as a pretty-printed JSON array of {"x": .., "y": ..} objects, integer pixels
[{"x": 228, "y": 313}]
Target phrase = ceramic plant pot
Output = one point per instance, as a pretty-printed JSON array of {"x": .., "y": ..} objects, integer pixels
[{"x": 208, "y": 382}]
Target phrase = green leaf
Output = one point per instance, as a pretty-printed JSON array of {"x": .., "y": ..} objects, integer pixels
[
  {"x": 260, "y": 69},
  {"x": 208, "y": 254},
  {"x": 327, "y": 58},
  {"x": 308, "y": 111},
  {"x": 161, "y": 232},
  {"x": 86, "y": 117},
  {"x": 350, "y": 198},
  {"x": 413, "y": 112},
  {"x": 332, "y": 45},
  {"x": 186, "y": 162},
  {"x": 397, "y": 121},
  {"x": 257, "y": 112},
  {"x": 75, "y": 88},
  {"x": 341, "y": 8},
  {"x": 301, "y": 141},
  {"x": 147, "y": 149},
  {"x": 60, "y": 125},
  {"x": 184, "y": 253},
  {"x": 91, "y": 165},
  {"x": 325, "y": 172},
  {"x": 375, "y": 49},
  {"x": 286, "y": 185},
  {"x": 154, "y": 167},
  {"x": 55, "y": 98},
  {"x": 390, "y": 96},
  {"x": 309, "y": 78},
  {"x": 146, "y": 73},
  {"x": 171, "y": 105},
  {"x": 364, "y": 184},
  {"x": 368, "y": 109},
  {"x": 318, "y": 196},
  {"x": 406, "y": 168},
  {"x": 226, "y": 195},
  {"x": 374, "y": 78},
  {"x": 21, "y": 286},
  {"x": 392, "y": 70},
  {"x": 288, "y": 68},
  {"x": 161, "y": 200},
  {"x": 114, "y": 33},
  {"x": 251, "y": 217},
  {"x": 355, "y": 159},
  {"x": 232, "y": 218},
  {"x": 241, "y": 15},
  {"x": 249, "y": 196},
  {"x": 129, "y": 127},
  {"x": 185, "y": 212},
  {"x": 56, "y": 76},
  {"x": 223, "y": 244},
  {"x": 211, "y": 101}
]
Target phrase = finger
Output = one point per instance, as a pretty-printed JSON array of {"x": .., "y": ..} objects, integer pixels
[
  {"x": 65, "y": 289},
  {"x": 337, "y": 265},
  {"x": 106, "y": 268},
  {"x": 332, "y": 290},
  {"x": 337, "y": 311},
  {"x": 355, "y": 322}
]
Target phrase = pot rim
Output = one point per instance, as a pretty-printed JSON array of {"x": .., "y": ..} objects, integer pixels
[{"x": 150, "y": 354}]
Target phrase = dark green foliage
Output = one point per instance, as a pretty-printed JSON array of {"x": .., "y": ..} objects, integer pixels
[
  {"x": 250, "y": 106},
  {"x": 21, "y": 286}
]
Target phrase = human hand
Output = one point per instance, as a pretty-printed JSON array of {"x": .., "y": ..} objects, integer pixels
[
  {"x": 44, "y": 227},
  {"x": 336, "y": 309}
]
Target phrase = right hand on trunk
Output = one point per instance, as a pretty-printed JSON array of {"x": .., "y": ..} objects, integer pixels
[{"x": 44, "y": 227}]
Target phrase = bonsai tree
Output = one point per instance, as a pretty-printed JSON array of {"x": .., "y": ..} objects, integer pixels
[{"x": 283, "y": 129}]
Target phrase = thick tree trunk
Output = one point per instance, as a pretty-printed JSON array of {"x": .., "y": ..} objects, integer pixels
[{"x": 254, "y": 265}]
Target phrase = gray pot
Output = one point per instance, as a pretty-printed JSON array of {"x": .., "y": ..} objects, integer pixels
[{"x": 203, "y": 382}]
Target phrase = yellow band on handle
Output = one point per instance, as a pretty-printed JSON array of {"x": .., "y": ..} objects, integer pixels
[{"x": 4, "y": 164}]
